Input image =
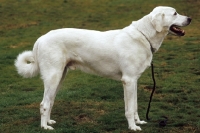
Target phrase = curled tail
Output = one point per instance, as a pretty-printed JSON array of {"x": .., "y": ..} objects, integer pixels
[{"x": 27, "y": 65}]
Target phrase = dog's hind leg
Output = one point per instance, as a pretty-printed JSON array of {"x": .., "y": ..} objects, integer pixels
[
  {"x": 49, "y": 121},
  {"x": 51, "y": 84}
]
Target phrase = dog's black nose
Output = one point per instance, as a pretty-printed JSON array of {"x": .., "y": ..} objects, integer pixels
[{"x": 189, "y": 19}]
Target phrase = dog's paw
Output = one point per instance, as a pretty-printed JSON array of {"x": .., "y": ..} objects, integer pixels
[
  {"x": 47, "y": 127},
  {"x": 51, "y": 122},
  {"x": 141, "y": 122},
  {"x": 135, "y": 128}
]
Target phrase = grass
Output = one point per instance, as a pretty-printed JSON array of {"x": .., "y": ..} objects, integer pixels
[{"x": 88, "y": 103}]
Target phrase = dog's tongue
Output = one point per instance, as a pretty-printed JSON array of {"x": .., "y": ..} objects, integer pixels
[{"x": 178, "y": 30}]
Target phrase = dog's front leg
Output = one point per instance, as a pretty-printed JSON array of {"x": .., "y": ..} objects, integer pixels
[
  {"x": 137, "y": 119},
  {"x": 130, "y": 99}
]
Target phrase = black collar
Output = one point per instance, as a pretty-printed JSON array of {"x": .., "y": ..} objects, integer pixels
[{"x": 152, "y": 49}]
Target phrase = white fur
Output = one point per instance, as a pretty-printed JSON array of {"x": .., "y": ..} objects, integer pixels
[
  {"x": 26, "y": 65},
  {"x": 121, "y": 54}
]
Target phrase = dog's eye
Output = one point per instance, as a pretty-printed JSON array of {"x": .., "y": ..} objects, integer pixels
[{"x": 175, "y": 13}]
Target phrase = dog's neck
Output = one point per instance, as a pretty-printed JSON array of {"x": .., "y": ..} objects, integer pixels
[
  {"x": 152, "y": 49},
  {"x": 150, "y": 33}
]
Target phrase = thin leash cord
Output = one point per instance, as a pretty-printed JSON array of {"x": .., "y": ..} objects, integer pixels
[{"x": 154, "y": 87}]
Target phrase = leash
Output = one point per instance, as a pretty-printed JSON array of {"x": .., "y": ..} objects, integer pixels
[
  {"x": 152, "y": 73},
  {"x": 154, "y": 87},
  {"x": 163, "y": 122}
]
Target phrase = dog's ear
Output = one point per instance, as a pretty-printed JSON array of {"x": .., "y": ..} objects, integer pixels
[{"x": 157, "y": 21}]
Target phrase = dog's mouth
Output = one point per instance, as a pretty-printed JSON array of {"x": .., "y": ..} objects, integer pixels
[{"x": 176, "y": 30}]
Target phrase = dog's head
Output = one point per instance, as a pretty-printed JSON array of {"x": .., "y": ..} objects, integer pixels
[{"x": 166, "y": 18}]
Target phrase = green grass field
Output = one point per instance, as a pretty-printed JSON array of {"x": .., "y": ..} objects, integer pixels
[{"x": 88, "y": 103}]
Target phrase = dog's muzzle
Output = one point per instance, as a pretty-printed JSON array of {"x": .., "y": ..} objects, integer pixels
[{"x": 176, "y": 30}]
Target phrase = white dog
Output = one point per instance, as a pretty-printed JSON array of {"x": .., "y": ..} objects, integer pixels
[{"x": 121, "y": 54}]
